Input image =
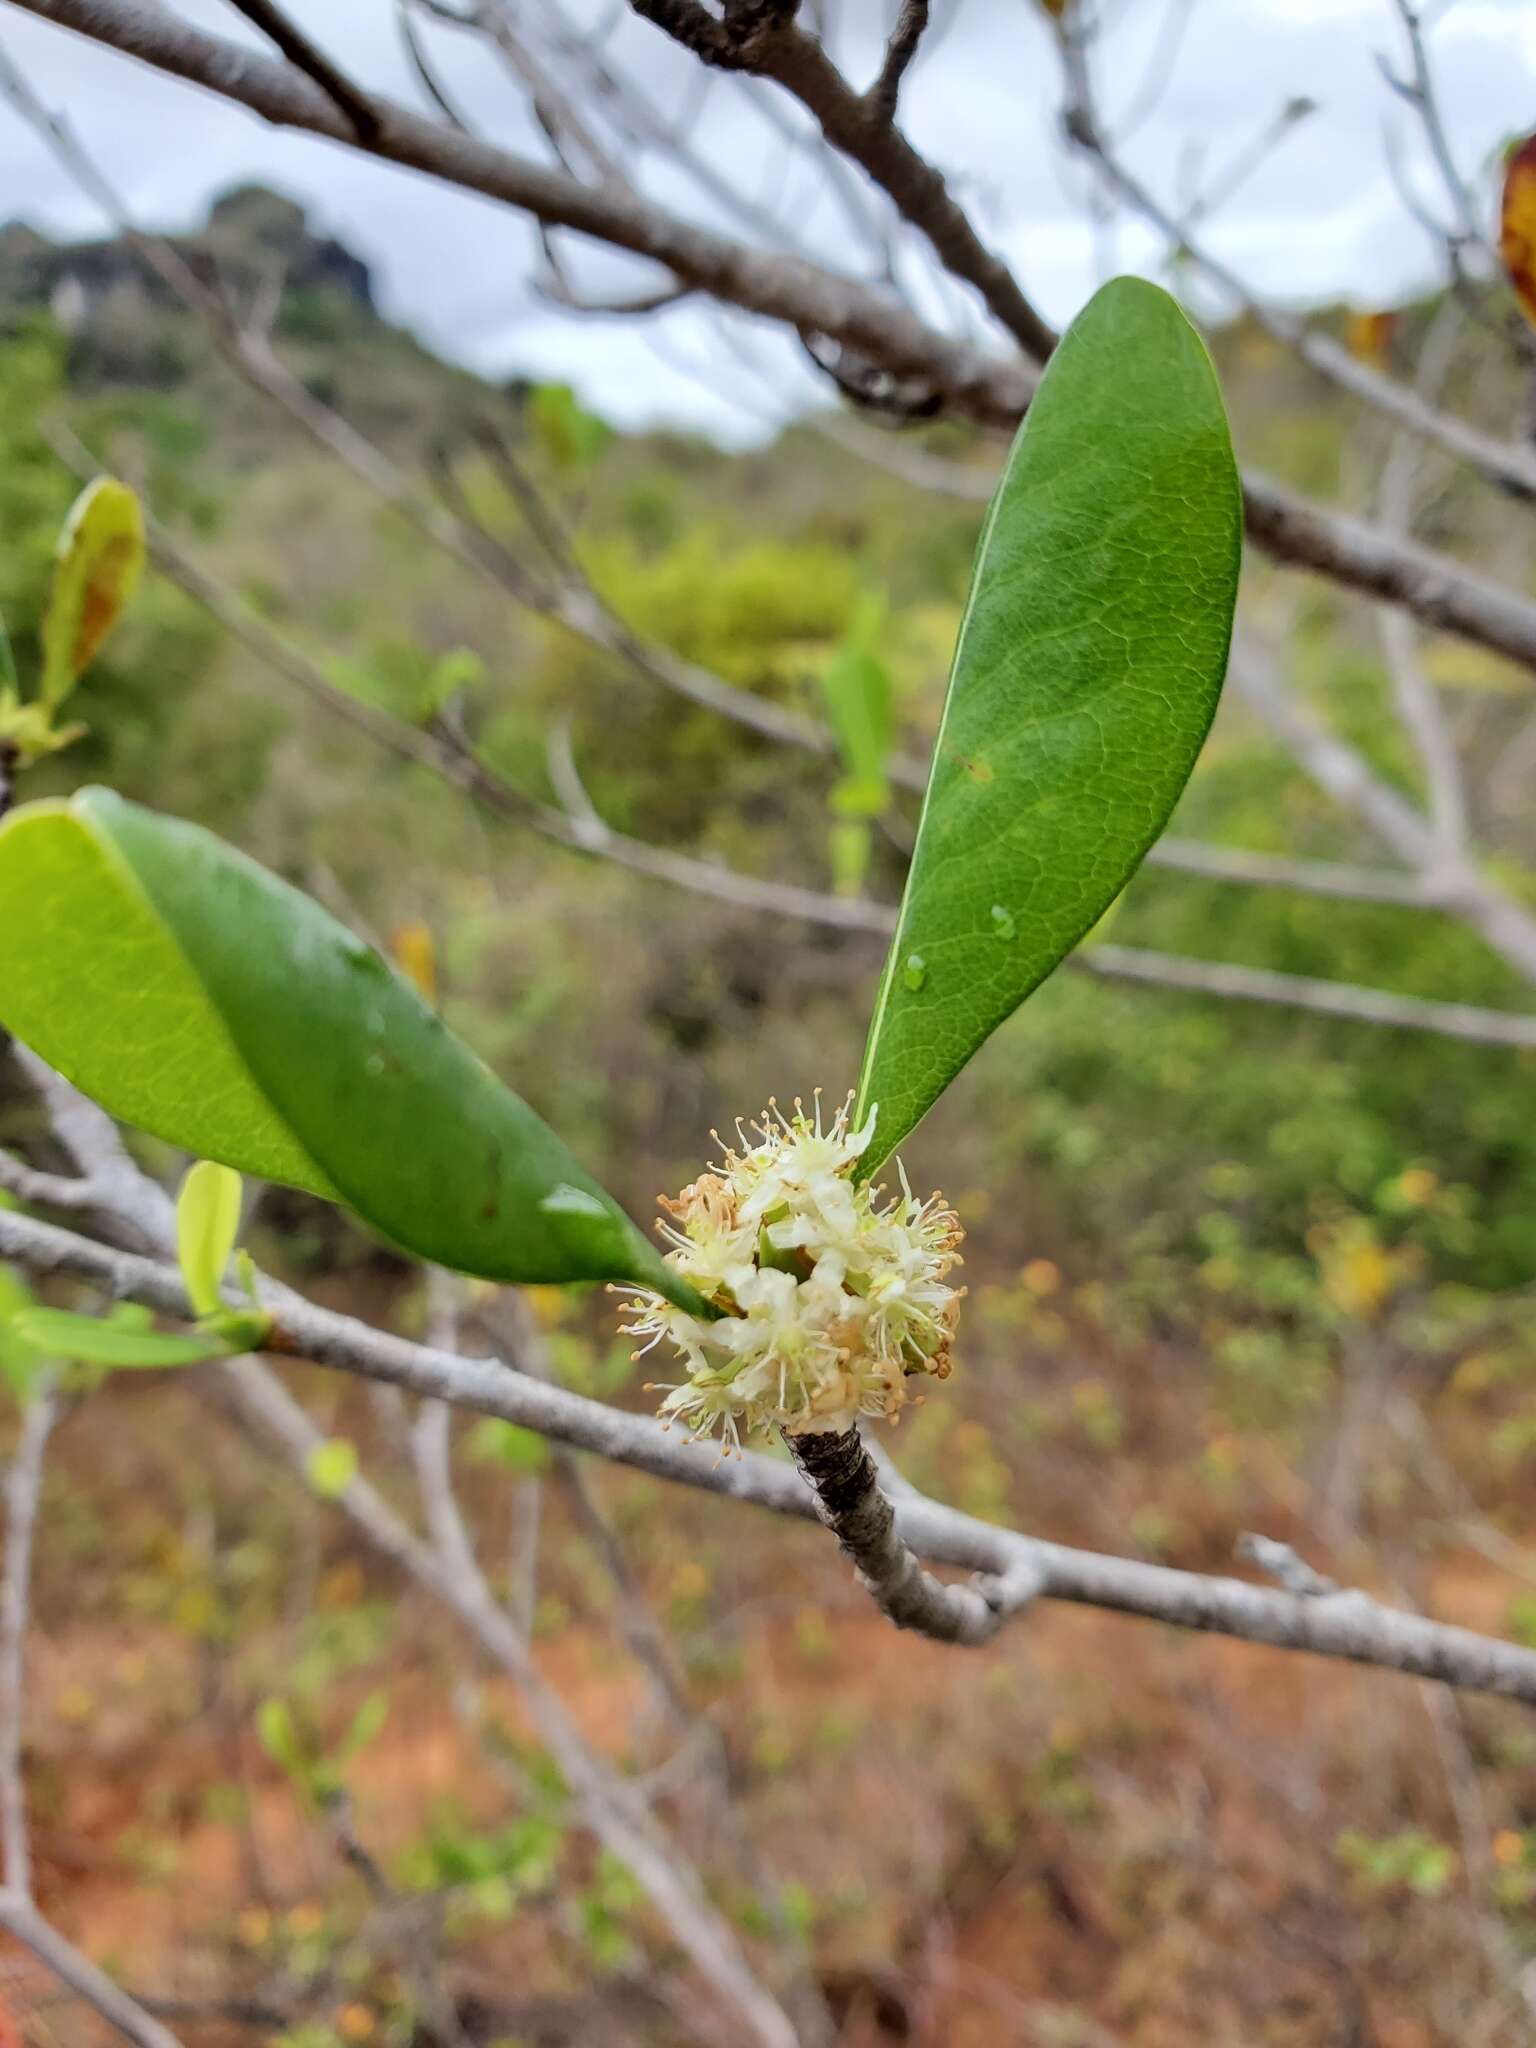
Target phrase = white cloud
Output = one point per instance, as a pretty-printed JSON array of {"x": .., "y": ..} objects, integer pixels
[{"x": 1319, "y": 218}]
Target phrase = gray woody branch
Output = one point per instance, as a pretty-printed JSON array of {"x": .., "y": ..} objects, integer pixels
[
  {"x": 1348, "y": 1626},
  {"x": 811, "y": 300},
  {"x": 1506, "y": 463},
  {"x": 842, "y": 1475},
  {"x": 860, "y": 125}
]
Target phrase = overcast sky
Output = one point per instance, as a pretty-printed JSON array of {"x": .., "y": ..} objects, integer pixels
[{"x": 1320, "y": 218}]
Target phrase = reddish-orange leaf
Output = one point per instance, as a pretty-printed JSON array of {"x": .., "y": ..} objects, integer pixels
[
  {"x": 1368, "y": 336},
  {"x": 99, "y": 561},
  {"x": 1517, "y": 225}
]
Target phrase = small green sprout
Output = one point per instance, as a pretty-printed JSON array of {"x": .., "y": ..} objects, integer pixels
[{"x": 207, "y": 1220}]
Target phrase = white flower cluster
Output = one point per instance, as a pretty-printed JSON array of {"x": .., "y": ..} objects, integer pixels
[{"x": 830, "y": 1302}]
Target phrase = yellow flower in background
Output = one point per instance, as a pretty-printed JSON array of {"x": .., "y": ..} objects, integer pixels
[
  {"x": 1359, "y": 1275},
  {"x": 415, "y": 954}
]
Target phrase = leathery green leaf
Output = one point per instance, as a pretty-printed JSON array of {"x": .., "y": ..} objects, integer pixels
[
  {"x": 1085, "y": 678},
  {"x": 195, "y": 995}
]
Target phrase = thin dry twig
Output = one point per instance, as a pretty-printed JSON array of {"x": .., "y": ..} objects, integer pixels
[
  {"x": 1418, "y": 704},
  {"x": 23, "y": 1495},
  {"x": 300, "y": 49},
  {"x": 899, "y": 53},
  {"x": 24, "y": 1923},
  {"x": 1507, "y": 463},
  {"x": 864, "y": 319}
]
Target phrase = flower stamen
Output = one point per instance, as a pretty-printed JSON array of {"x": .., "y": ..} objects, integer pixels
[{"x": 834, "y": 1298}]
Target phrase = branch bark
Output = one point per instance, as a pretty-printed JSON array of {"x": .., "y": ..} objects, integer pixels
[
  {"x": 840, "y": 1472},
  {"x": 1347, "y": 1625},
  {"x": 306, "y": 54},
  {"x": 1308, "y": 992},
  {"x": 786, "y": 288},
  {"x": 862, "y": 127}
]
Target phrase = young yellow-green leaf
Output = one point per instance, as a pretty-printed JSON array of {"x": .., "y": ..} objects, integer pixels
[
  {"x": 90, "y": 1340},
  {"x": 331, "y": 1467},
  {"x": 493, "y": 1441},
  {"x": 278, "y": 1735},
  {"x": 572, "y": 437},
  {"x": 96, "y": 570},
  {"x": 20, "y": 1362},
  {"x": 207, "y": 1221},
  {"x": 860, "y": 699},
  {"x": 192, "y": 993},
  {"x": 367, "y": 1726},
  {"x": 1085, "y": 678}
]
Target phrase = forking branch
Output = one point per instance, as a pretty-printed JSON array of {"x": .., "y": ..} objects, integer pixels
[{"x": 811, "y": 300}]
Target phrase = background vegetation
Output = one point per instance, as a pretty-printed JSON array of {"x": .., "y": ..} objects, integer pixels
[{"x": 1230, "y": 1268}]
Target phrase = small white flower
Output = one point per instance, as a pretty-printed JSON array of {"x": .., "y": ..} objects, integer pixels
[{"x": 830, "y": 1302}]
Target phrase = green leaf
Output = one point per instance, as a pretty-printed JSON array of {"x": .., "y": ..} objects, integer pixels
[
  {"x": 572, "y": 437},
  {"x": 852, "y": 843},
  {"x": 451, "y": 675},
  {"x": 367, "y": 1726},
  {"x": 90, "y": 1340},
  {"x": 193, "y": 994},
  {"x": 99, "y": 561},
  {"x": 10, "y": 688},
  {"x": 331, "y": 1467},
  {"x": 861, "y": 701},
  {"x": 1086, "y": 676},
  {"x": 493, "y": 1441},
  {"x": 279, "y": 1737},
  {"x": 207, "y": 1220},
  {"x": 237, "y": 1330},
  {"x": 20, "y": 1362}
]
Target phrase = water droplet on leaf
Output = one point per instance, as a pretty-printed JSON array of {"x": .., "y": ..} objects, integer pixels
[
  {"x": 915, "y": 973},
  {"x": 1002, "y": 922},
  {"x": 568, "y": 1201}
]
